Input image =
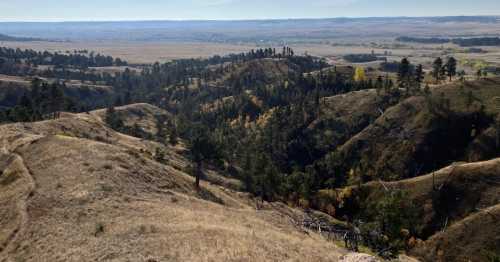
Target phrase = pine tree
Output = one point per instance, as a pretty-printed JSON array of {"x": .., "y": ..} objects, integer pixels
[
  {"x": 113, "y": 120},
  {"x": 436, "y": 68},
  {"x": 202, "y": 150},
  {"x": 419, "y": 75},
  {"x": 56, "y": 100},
  {"x": 404, "y": 74},
  {"x": 379, "y": 84},
  {"x": 451, "y": 67},
  {"x": 173, "y": 137}
]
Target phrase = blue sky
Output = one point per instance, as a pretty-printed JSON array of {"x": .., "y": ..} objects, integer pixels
[{"x": 71, "y": 10}]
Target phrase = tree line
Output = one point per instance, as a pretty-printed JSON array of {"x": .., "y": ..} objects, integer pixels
[
  {"x": 75, "y": 59},
  {"x": 464, "y": 42},
  {"x": 42, "y": 101}
]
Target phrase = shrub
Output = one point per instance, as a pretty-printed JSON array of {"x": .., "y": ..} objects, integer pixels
[{"x": 99, "y": 229}]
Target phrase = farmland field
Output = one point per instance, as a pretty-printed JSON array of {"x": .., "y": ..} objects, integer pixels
[{"x": 150, "y": 41}]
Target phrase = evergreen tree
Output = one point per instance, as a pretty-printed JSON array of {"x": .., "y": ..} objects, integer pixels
[
  {"x": 113, "y": 120},
  {"x": 379, "y": 84},
  {"x": 202, "y": 150},
  {"x": 404, "y": 74},
  {"x": 419, "y": 75},
  {"x": 436, "y": 68},
  {"x": 56, "y": 100},
  {"x": 451, "y": 67}
]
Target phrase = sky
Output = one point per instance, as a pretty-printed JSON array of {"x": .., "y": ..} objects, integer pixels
[{"x": 105, "y": 10}]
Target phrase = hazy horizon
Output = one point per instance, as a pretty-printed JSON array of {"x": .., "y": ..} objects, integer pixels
[
  {"x": 228, "y": 10},
  {"x": 229, "y": 20}
]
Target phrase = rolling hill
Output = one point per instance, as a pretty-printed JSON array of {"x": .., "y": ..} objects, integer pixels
[
  {"x": 72, "y": 189},
  {"x": 457, "y": 209}
]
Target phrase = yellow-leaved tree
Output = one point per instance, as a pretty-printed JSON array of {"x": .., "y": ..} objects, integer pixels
[{"x": 359, "y": 74}]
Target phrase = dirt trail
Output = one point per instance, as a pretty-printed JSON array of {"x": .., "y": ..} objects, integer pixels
[{"x": 22, "y": 203}]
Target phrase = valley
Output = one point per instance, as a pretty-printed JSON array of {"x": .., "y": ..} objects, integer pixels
[{"x": 307, "y": 143}]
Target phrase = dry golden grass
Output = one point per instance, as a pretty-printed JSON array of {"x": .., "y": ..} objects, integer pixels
[
  {"x": 144, "y": 115},
  {"x": 26, "y": 81},
  {"x": 465, "y": 240},
  {"x": 105, "y": 199},
  {"x": 137, "y": 52},
  {"x": 473, "y": 225}
]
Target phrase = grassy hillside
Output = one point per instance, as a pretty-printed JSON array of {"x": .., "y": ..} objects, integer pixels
[
  {"x": 398, "y": 163},
  {"x": 441, "y": 202},
  {"x": 423, "y": 132},
  {"x": 428, "y": 145},
  {"x": 74, "y": 189},
  {"x": 473, "y": 238}
]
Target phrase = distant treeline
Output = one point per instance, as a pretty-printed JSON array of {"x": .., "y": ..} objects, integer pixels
[
  {"x": 465, "y": 42},
  {"x": 433, "y": 40},
  {"x": 42, "y": 101},
  {"x": 483, "y": 41},
  {"x": 20, "y": 39},
  {"x": 360, "y": 58},
  {"x": 78, "y": 59},
  {"x": 393, "y": 67},
  {"x": 286, "y": 52}
]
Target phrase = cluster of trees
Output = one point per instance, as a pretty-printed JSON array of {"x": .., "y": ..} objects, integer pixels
[
  {"x": 257, "y": 122},
  {"x": 271, "y": 53},
  {"x": 423, "y": 40},
  {"x": 186, "y": 88},
  {"x": 283, "y": 159},
  {"x": 280, "y": 159},
  {"x": 293, "y": 156},
  {"x": 76, "y": 59},
  {"x": 478, "y": 41},
  {"x": 360, "y": 58},
  {"x": 71, "y": 65},
  {"x": 464, "y": 42},
  {"x": 441, "y": 70},
  {"x": 43, "y": 101},
  {"x": 252, "y": 54},
  {"x": 412, "y": 77},
  {"x": 19, "y": 68},
  {"x": 393, "y": 66},
  {"x": 19, "y": 39},
  {"x": 408, "y": 78}
]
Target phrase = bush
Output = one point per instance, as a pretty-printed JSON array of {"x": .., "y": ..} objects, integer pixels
[
  {"x": 392, "y": 225},
  {"x": 396, "y": 213},
  {"x": 99, "y": 229}
]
